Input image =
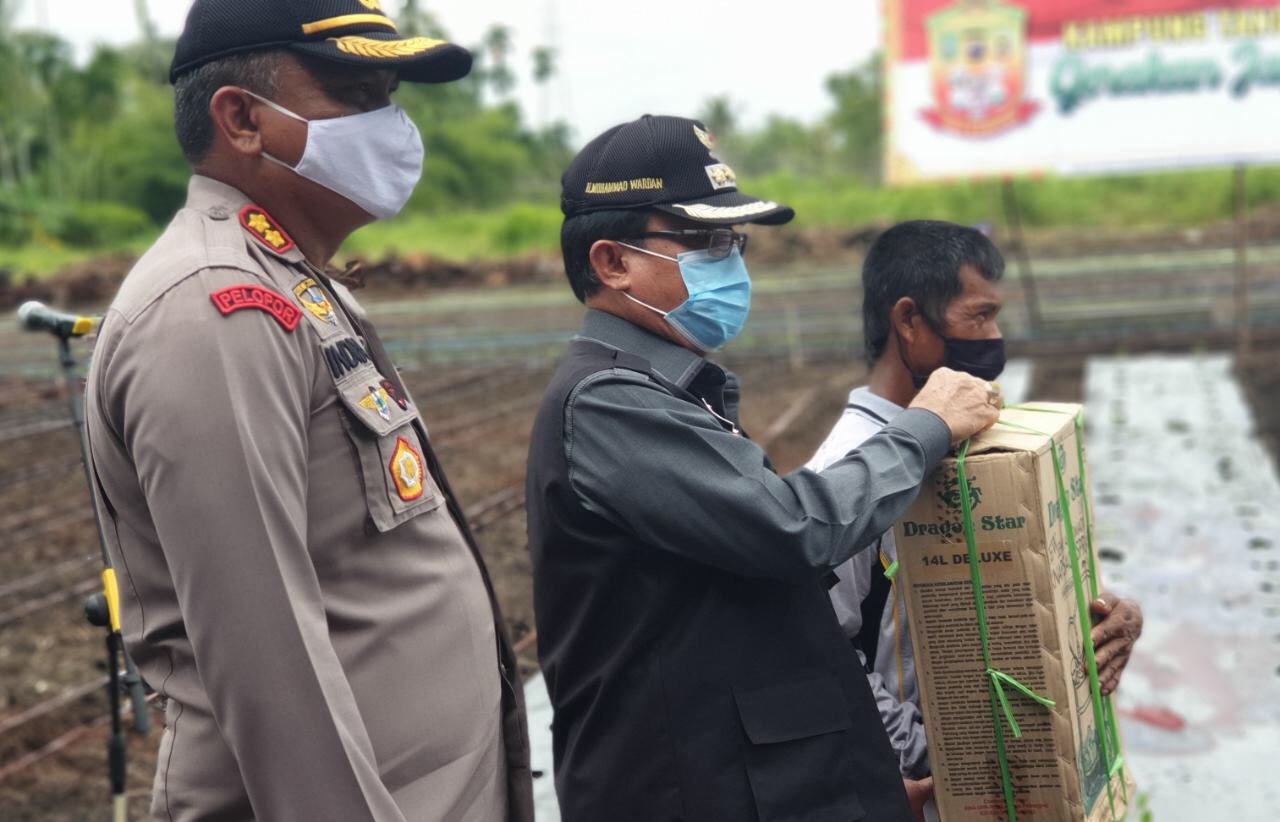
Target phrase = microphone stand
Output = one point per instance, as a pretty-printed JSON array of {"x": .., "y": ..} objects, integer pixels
[{"x": 103, "y": 610}]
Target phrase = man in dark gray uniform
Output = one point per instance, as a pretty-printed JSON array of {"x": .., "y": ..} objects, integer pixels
[
  {"x": 297, "y": 581},
  {"x": 693, "y": 660}
]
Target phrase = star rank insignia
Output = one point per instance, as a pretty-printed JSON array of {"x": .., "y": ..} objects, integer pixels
[
  {"x": 314, "y": 300},
  {"x": 378, "y": 401},
  {"x": 406, "y": 471},
  {"x": 264, "y": 229}
]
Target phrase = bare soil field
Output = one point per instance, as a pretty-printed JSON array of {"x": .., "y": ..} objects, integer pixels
[
  {"x": 52, "y": 716},
  {"x": 478, "y": 371},
  {"x": 1259, "y": 375}
]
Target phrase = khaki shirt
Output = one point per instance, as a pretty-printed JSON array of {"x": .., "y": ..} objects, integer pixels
[{"x": 296, "y": 579}]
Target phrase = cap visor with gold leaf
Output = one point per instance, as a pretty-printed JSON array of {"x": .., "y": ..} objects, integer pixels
[
  {"x": 352, "y": 32},
  {"x": 415, "y": 59}
]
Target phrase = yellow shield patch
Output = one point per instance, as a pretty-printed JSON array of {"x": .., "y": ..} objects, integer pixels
[
  {"x": 406, "y": 471},
  {"x": 314, "y": 300}
]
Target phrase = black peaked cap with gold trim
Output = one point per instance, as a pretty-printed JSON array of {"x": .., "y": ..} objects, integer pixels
[
  {"x": 664, "y": 163},
  {"x": 355, "y": 32}
]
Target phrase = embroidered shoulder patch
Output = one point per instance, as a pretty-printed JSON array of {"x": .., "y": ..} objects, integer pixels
[
  {"x": 238, "y": 297},
  {"x": 378, "y": 401},
  {"x": 345, "y": 355},
  {"x": 406, "y": 471},
  {"x": 314, "y": 300},
  {"x": 264, "y": 229},
  {"x": 390, "y": 388}
]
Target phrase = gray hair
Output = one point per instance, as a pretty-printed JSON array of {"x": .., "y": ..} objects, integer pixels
[{"x": 256, "y": 71}]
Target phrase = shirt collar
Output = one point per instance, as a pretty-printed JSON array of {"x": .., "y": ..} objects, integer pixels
[
  {"x": 209, "y": 195},
  {"x": 222, "y": 202},
  {"x": 674, "y": 362},
  {"x": 876, "y": 404}
]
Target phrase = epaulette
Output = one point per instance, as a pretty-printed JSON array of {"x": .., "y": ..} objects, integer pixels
[{"x": 265, "y": 229}]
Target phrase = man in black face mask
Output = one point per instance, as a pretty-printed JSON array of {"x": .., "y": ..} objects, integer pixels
[{"x": 929, "y": 300}]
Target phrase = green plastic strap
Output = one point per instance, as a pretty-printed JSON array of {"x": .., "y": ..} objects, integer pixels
[
  {"x": 999, "y": 679},
  {"x": 1026, "y": 406},
  {"x": 1104, "y": 715},
  {"x": 1091, "y": 665},
  {"x": 1014, "y": 425},
  {"x": 1112, "y": 755},
  {"x": 892, "y": 570},
  {"x": 995, "y": 679}
]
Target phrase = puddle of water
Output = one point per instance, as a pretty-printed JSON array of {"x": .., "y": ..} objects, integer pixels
[
  {"x": 1193, "y": 503},
  {"x": 538, "y": 706}
]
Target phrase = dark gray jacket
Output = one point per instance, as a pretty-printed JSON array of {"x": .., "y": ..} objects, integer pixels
[{"x": 695, "y": 665}]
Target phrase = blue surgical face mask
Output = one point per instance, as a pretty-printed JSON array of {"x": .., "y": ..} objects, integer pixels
[{"x": 719, "y": 297}]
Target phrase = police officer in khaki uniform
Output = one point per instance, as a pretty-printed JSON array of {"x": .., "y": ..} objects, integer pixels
[{"x": 297, "y": 580}]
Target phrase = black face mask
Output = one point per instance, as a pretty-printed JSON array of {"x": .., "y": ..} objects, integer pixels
[{"x": 983, "y": 359}]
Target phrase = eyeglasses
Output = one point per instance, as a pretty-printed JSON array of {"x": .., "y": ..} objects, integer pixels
[{"x": 719, "y": 242}]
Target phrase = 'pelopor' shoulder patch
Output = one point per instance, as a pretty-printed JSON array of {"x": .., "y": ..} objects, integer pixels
[
  {"x": 237, "y": 297},
  {"x": 264, "y": 229}
]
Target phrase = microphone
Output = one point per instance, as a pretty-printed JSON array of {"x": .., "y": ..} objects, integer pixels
[{"x": 36, "y": 316}]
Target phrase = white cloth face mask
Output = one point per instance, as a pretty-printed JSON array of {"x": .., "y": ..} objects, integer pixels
[{"x": 373, "y": 159}]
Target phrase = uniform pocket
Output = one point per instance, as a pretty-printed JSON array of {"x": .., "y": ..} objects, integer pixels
[
  {"x": 397, "y": 485},
  {"x": 798, "y": 761}
]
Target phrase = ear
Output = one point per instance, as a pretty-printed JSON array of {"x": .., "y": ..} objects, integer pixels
[
  {"x": 905, "y": 318},
  {"x": 236, "y": 119},
  {"x": 610, "y": 265}
]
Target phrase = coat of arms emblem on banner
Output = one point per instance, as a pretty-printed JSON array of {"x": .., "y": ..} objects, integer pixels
[{"x": 977, "y": 59}]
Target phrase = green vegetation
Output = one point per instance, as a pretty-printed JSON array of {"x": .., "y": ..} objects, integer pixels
[
  {"x": 848, "y": 201},
  {"x": 1144, "y": 812},
  {"x": 463, "y": 235},
  {"x": 89, "y": 165},
  {"x": 1169, "y": 199}
]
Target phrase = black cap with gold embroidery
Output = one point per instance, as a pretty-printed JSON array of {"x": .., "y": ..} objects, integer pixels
[
  {"x": 667, "y": 163},
  {"x": 356, "y": 32}
]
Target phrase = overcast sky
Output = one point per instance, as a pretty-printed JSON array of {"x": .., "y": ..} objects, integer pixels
[{"x": 616, "y": 60}]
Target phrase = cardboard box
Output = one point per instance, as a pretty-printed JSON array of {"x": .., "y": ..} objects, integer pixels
[{"x": 1058, "y": 770}]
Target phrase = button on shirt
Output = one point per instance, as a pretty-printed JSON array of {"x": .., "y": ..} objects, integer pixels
[{"x": 893, "y": 679}]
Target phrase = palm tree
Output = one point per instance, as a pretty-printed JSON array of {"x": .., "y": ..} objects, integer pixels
[
  {"x": 146, "y": 25},
  {"x": 497, "y": 43}
]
